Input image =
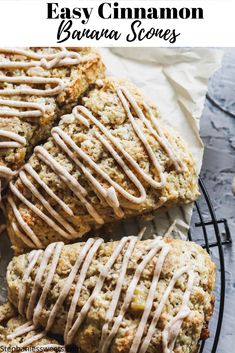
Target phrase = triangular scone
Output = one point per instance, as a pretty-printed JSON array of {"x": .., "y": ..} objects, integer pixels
[
  {"x": 128, "y": 296},
  {"x": 111, "y": 158},
  {"x": 37, "y": 85},
  {"x": 10, "y": 320}
]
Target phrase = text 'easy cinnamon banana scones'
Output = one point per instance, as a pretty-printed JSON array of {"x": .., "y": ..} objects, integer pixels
[
  {"x": 111, "y": 158},
  {"x": 10, "y": 321},
  {"x": 37, "y": 85},
  {"x": 128, "y": 296}
]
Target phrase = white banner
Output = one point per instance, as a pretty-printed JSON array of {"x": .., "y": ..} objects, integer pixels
[{"x": 204, "y": 23}]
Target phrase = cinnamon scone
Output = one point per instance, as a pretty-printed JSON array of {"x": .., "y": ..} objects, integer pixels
[
  {"x": 111, "y": 158},
  {"x": 37, "y": 85},
  {"x": 10, "y": 321},
  {"x": 128, "y": 296}
]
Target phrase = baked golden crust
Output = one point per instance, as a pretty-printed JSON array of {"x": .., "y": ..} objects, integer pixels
[
  {"x": 75, "y": 79},
  {"x": 9, "y": 321},
  {"x": 105, "y": 105},
  {"x": 88, "y": 335}
]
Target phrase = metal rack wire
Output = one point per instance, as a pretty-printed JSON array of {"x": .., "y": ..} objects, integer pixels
[{"x": 211, "y": 236}]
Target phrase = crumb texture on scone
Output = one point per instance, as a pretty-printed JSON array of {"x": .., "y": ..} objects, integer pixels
[
  {"x": 129, "y": 296},
  {"x": 37, "y": 85},
  {"x": 111, "y": 158},
  {"x": 10, "y": 321}
]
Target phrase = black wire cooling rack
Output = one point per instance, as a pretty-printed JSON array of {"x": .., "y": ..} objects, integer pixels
[{"x": 212, "y": 234}]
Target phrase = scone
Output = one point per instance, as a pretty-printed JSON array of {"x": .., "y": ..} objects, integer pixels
[
  {"x": 37, "y": 85},
  {"x": 111, "y": 158},
  {"x": 10, "y": 321},
  {"x": 129, "y": 296}
]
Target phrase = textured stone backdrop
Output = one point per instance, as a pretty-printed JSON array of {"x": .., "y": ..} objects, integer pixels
[{"x": 218, "y": 171}]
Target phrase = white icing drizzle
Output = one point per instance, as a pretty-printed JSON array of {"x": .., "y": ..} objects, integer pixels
[
  {"x": 129, "y": 294},
  {"x": 21, "y": 235},
  {"x": 159, "y": 135},
  {"x": 160, "y": 306},
  {"x": 57, "y": 82},
  {"x": 149, "y": 301},
  {"x": 33, "y": 238},
  {"x": 36, "y": 111},
  {"x": 45, "y": 60},
  {"x": 125, "y": 97},
  {"x": 21, "y": 330},
  {"x": 56, "y": 248},
  {"x": 15, "y": 140},
  {"x": 29, "y": 327},
  {"x": 116, "y": 294},
  {"x": 6, "y": 172},
  {"x": 69, "y": 282},
  {"x": 100, "y": 281},
  {"x": 78, "y": 288},
  {"x": 171, "y": 331},
  {"x": 51, "y": 273},
  {"x": 88, "y": 167},
  {"x": 32, "y": 339},
  {"x": 36, "y": 210},
  {"x": 33, "y": 257},
  {"x": 76, "y": 278},
  {"x": 69, "y": 180},
  {"x": 115, "y": 155},
  {"x": 34, "y": 174},
  {"x": 63, "y": 139}
]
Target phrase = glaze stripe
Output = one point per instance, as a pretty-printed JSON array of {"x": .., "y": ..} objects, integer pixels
[
  {"x": 47, "y": 254},
  {"x": 69, "y": 282},
  {"x": 103, "y": 274},
  {"x": 150, "y": 299},
  {"x": 46, "y": 288},
  {"x": 80, "y": 282},
  {"x": 158, "y": 311},
  {"x": 171, "y": 331},
  {"x": 129, "y": 294},
  {"x": 33, "y": 258},
  {"x": 15, "y": 140},
  {"x": 24, "y": 226},
  {"x": 21, "y": 330},
  {"x": 116, "y": 294}
]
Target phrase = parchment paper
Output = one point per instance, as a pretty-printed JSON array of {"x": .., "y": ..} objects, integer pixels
[{"x": 176, "y": 79}]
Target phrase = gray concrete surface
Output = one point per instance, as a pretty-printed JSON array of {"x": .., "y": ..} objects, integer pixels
[{"x": 218, "y": 171}]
